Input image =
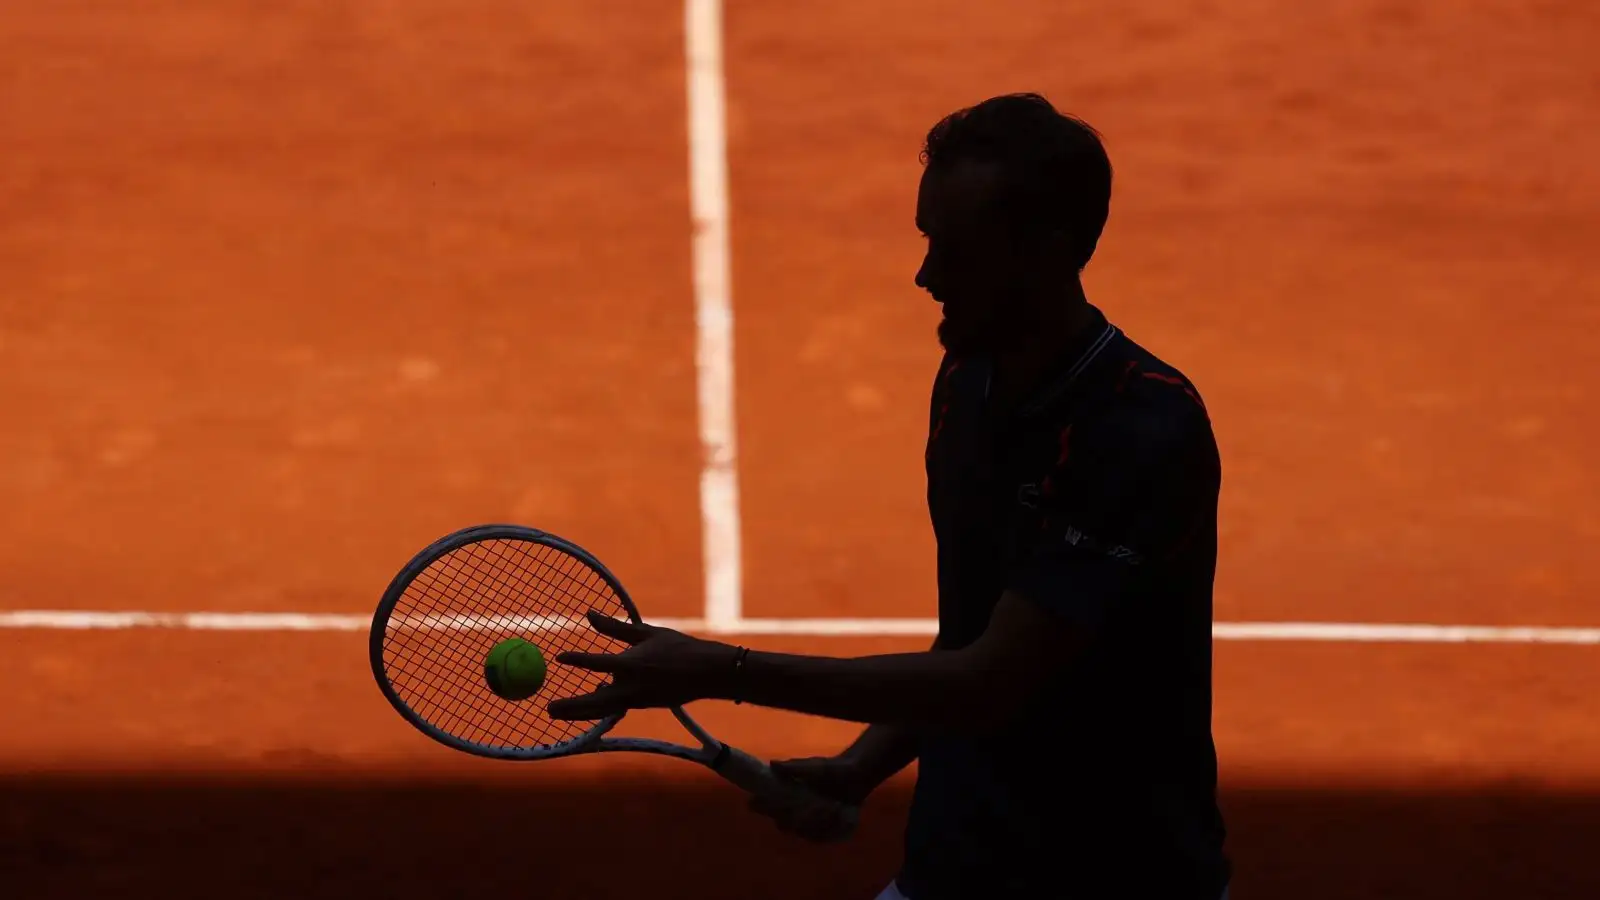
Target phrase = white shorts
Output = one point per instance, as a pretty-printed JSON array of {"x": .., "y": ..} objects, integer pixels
[{"x": 892, "y": 892}]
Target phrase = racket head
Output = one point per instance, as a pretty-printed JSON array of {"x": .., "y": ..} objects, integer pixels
[{"x": 464, "y": 593}]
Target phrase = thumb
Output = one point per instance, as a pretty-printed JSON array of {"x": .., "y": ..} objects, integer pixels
[
  {"x": 620, "y": 629},
  {"x": 798, "y": 769},
  {"x": 827, "y": 776}
]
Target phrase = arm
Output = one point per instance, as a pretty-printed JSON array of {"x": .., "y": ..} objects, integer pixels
[
  {"x": 1145, "y": 481},
  {"x": 881, "y": 751},
  {"x": 1106, "y": 523},
  {"x": 976, "y": 686}
]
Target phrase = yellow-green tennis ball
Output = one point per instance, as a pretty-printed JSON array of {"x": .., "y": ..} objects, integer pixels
[{"x": 514, "y": 669}]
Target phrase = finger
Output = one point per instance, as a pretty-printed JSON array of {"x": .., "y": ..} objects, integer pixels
[
  {"x": 817, "y": 774},
  {"x": 771, "y": 807},
  {"x": 820, "y": 824},
  {"x": 810, "y": 823},
  {"x": 594, "y": 662},
  {"x": 583, "y": 709},
  {"x": 792, "y": 812},
  {"x": 620, "y": 629},
  {"x": 819, "y": 835},
  {"x": 816, "y": 817},
  {"x": 784, "y": 823},
  {"x": 604, "y": 702},
  {"x": 794, "y": 769}
]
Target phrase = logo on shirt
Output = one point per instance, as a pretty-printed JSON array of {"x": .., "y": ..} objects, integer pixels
[
  {"x": 1031, "y": 496},
  {"x": 1077, "y": 538}
]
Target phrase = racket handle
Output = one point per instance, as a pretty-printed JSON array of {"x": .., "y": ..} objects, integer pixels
[{"x": 756, "y": 778}]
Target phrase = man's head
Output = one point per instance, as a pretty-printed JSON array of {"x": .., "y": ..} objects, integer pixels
[{"x": 1013, "y": 199}]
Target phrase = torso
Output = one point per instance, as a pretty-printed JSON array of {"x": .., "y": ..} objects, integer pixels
[{"x": 1120, "y": 768}]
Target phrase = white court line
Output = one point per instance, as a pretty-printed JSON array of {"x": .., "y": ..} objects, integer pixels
[
  {"x": 93, "y": 620},
  {"x": 1377, "y": 633},
  {"x": 708, "y": 197},
  {"x": 1317, "y": 632},
  {"x": 719, "y": 478},
  {"x": 1383, "y": 634},
  {"x": 90, "y": 620}
]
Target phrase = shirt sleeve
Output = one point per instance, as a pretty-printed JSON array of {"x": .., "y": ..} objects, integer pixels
[{"x": 1116, "y": 511}]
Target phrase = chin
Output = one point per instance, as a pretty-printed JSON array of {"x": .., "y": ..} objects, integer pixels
[{"x": 959, "y": 340}]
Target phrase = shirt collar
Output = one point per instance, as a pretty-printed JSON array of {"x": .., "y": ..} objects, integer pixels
[{"x": 1090, "y": 341}]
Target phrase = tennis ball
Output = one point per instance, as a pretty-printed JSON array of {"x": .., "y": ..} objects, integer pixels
[{"x": 514, "y": 669}]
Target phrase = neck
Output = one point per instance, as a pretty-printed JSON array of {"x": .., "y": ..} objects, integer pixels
[{"x": 1019, "y": 367}]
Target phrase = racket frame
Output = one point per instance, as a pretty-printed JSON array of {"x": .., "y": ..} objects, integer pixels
[
  {"x": 444, "y": 546},
  {"x": 734, "y": 765}
]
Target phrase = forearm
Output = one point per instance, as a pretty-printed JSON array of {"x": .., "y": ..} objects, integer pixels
[
  {"x": 925, "y": 689},
  {"x": 881, "y": 751}
]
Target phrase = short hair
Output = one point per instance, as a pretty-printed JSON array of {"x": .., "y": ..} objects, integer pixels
[{"x": 1055, "y": 174}]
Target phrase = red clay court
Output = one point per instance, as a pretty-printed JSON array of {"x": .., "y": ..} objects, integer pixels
[{"x": 287, "y": 290}]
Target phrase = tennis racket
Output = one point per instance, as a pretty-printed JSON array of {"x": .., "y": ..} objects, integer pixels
[{"x": 468, "y": 591}]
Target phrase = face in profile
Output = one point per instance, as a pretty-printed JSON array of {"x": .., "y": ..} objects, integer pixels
[{"x": 970, "y": 267}]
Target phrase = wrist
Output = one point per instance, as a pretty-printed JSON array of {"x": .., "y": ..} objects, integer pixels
[
  {"x": 857, "y": 776},
  {"x": 739, "y": 675},
  {"x": 724, "y": 670}
]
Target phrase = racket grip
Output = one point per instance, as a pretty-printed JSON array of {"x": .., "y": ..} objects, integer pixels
[{"x": 756, "y": 777}]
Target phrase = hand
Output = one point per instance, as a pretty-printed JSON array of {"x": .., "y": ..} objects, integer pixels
[
  {"x": 660, "y": 668},
  {"x": 833, "y": 777}
]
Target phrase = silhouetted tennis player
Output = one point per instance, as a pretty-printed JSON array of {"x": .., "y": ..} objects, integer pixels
[{"x": 1062, "y": 720}]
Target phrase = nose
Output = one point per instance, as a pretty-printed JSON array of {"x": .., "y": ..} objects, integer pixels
[{"x": 922, "y": 276}]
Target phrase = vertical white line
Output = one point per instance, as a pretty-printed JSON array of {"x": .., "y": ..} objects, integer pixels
[{"x": 708, "y": 197}]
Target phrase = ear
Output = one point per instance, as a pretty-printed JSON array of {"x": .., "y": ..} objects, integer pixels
[
  {"x": 1047, "y": 244},
  {"x": 1057, "y": 242}
]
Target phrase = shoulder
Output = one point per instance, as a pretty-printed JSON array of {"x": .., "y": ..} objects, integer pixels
[{"x": 1153, "y": 417}]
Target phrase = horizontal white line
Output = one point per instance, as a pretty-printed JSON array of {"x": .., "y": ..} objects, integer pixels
[
  {"x": 514, "y": 623},
  {"x": 193, "y": 621},
  {"x": 54, "y": 619},
  {"x": 1379, "y": 633},
  {"x": 1223, "y": 631}
]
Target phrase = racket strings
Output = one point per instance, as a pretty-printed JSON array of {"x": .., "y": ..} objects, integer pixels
[
  {"x": 450, "y": 616},
  {"x": 448, "y": 664},
  {"x": 551, "y": 595},
  {"x": 486, "y": 716}
]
